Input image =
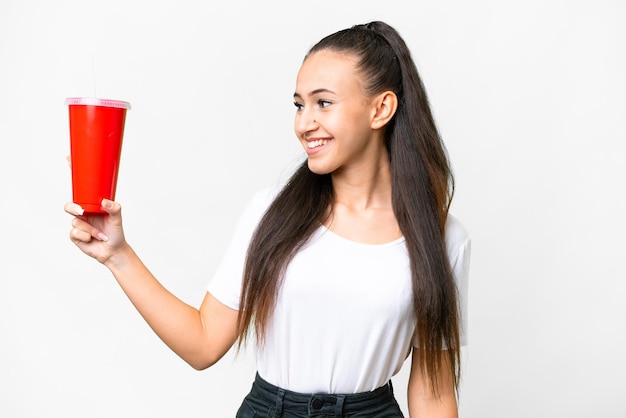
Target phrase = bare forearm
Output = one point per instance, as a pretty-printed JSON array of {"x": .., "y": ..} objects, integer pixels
[
  {"x": 424, "y": 402},
  {"x": 442, "y": 407},
  {"x": 178, "y": 324}
]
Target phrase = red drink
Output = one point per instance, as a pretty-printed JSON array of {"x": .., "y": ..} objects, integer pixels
[{"x": 96, "y": 133}]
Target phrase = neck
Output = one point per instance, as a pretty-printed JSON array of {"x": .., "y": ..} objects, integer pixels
[{"x": 366, "y": 186}]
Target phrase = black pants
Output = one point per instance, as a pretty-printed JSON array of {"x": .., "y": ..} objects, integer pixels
[{"x": 267, "y": 400}]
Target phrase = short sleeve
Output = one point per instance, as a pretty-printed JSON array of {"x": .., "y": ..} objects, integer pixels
[
  {"x": 459, "y": 251},
  {"x": 459, "y": 246},
  {"x": 225, "y": 285}
]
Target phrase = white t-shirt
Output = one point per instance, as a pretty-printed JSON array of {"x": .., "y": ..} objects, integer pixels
[{"x": 343, "y": 321}]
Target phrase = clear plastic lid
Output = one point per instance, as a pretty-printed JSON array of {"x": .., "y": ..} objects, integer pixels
[{"x": 92, "y": 101}]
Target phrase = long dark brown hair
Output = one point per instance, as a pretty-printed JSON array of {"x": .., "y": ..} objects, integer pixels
[{"x": 422, "y": 190}]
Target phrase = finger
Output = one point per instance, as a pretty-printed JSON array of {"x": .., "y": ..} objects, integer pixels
[
  {"x": 78, "y": 236},
  {"x": 84, "y": 231},
  {"x": 74, "y": 209},
  {"x": 69, "y": 160},
  {"x": 111, "y": 207}
]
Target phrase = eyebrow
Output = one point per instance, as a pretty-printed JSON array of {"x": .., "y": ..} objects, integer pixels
[{"x": 314, "y": 92}]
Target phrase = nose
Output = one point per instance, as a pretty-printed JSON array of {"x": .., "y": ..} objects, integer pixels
[{"x": 305, "y": 121}]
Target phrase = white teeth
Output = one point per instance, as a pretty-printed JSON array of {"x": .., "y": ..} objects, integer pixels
[{"x": 318, "y": 143}]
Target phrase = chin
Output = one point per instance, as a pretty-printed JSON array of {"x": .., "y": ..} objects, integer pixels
[{"x": 319, "y": 169}]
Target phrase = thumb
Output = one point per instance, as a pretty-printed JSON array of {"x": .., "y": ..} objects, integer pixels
[
  {"x": 113, "y": 223},
  {"x": 114, "y": 209},
  {"x": 111, "y": 207}
]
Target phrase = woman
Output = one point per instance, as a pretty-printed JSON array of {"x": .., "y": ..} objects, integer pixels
[{"x": 343, "y": 272}]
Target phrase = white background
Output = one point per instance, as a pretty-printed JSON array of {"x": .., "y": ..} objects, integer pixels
[{"x": 530, "y": 98}]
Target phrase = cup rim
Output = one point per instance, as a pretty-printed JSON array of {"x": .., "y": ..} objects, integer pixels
[{"x": 94, "y": 101}]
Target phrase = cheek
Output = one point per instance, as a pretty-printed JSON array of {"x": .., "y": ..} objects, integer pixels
[{"x": 337, "y": 125}]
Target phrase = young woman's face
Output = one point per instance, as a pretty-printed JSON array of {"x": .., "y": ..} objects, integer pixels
[{"x": 333, "y": 117}]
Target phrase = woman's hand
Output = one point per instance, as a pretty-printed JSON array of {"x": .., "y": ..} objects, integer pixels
[{"x": 100, "y": 236}]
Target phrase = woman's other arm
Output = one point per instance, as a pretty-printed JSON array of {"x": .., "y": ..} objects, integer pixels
[{"x": 423, "y": 403}]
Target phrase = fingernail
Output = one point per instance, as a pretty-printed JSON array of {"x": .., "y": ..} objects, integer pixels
[
  {"x": 77, "y": 209},
  {"x": 102, "y": 237},
  {"x": 107, "y": 204}
]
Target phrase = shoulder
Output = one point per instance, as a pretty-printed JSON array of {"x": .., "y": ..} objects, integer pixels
[
  {"x": 264, "y": 197},
  {"x": 258, "y": 204}
]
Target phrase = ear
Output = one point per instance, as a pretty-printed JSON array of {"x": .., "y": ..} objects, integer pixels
[{"x": 386, "y": 104}]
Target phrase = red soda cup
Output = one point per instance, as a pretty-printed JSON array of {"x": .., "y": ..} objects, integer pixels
[{"x": 96, "y": 133}]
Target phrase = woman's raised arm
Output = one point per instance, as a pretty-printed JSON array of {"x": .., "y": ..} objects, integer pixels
[{"x": 199, "y": 336}]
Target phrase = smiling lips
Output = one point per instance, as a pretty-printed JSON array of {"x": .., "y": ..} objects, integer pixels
[
  {"x": 314, "y": 146},
  {"x": 317, "y": 143}
]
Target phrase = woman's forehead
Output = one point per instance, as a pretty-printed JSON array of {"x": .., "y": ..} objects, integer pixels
[{"x": 326, "y": 70}]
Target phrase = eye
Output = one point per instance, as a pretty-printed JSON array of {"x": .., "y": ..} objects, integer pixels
[
  {"x": 299, "y": 106},
  {"x": 323, "y": 103}
]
